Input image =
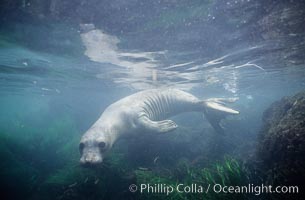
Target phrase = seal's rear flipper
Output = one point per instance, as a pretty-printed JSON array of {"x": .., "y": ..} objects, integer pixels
[
  {"x": 215, "y": 111},
  {"x": 157, "y": 126}
]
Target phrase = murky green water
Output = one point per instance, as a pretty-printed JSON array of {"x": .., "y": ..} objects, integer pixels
[{"x": 63, "y": 62}]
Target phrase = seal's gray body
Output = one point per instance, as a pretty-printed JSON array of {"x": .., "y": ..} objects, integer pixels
[{"x": 146, "y": 111}]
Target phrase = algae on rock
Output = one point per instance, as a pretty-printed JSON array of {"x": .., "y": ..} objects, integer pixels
[{"x": 281, "y": 147}]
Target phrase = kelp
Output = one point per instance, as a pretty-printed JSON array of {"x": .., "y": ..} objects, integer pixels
[{"x": 229, "y": 172}]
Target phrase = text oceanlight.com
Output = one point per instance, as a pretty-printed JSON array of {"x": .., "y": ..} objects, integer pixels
[{"x": 216, "y": 188}]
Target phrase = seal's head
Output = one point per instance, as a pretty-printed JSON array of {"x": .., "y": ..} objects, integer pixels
[{"x": 93, "y": 147}]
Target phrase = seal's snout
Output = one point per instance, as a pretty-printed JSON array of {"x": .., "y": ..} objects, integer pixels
[
  {"x": 91, "y": 160},
  {"x": 91, "y": 157},
  {"x": 92, "y": 152}
]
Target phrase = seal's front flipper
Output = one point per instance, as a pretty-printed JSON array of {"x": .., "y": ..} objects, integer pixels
[
  {"x": 157, "y": 126},
  {"x": 215, "y": 110},
  {"x": 166, "y": 126}
]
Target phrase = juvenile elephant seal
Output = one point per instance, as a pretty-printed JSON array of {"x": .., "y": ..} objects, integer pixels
[{"x": 146, "y": 111}]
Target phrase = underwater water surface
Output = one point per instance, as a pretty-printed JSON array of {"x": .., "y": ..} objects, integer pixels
[{"x": 63, "y": 62}]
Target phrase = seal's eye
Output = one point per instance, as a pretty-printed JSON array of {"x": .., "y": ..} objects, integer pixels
[
  {"x": 101, "y": 145},
  {"x": 81, "y": 147}
]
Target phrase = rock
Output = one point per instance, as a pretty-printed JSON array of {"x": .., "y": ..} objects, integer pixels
[{"x": 282, "y": 141}]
